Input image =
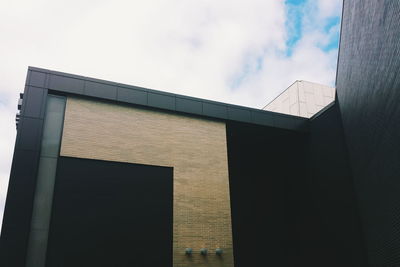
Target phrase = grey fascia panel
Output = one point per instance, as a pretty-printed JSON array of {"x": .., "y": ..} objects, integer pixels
[
  {"x": 76, "y": 84},
  {"x": 100, "y": 90},
  {"x": 132, "y": 96},
  {"x": 159, "y": 100},
  {"x": 290, "y": 122},
  {"x": 215, "y": 110},
  {"x": 299, "y": 124},
  {"x": 66, "y": 84},
  {"x": 89, "y": 79},
  {"x": 37, "y": 79},
  {"x": 185, "y": 104},
  {"x": 263, "y": 118},
  {"x": 239, "y": 114},
  {"x": 281, "y": 122},
  {"x": 34, "y": 102}
]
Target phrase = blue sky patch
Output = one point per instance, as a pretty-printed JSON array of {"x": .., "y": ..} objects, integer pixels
[
  {"x": 294, "y": 26},
  {"x": 298, "y": 12},
  {"x": 294, "y": 21},
  {"x": 334, "y": 39},
  {"x": 331, "y": 22},
  {"x": 333, "y": 44},
  {"x": 295, "y": 2},
  {"x": 247, "y": 70}
]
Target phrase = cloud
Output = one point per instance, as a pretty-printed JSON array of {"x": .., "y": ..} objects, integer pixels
[
  {"x": 310, "y": 54},
  {"x": 230, "y": 51},
  {"x": 329, "y": 8}
]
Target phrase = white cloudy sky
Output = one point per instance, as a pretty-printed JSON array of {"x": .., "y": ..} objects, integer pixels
[{"x": 241, "y": 52}]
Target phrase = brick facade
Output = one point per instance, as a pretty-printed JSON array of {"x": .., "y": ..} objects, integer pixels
[{"x": 195, "y": 147}]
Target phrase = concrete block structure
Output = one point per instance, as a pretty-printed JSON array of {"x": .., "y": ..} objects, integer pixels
[
  {"x": 109, "y": 174},
  {"x": 302, "y": 98}
]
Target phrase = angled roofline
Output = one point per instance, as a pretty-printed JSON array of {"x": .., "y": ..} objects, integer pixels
[
  {"x": 66, "y": 83},
  {"x": 291, "y": 86},
  {"x": 280, "y": 94}
]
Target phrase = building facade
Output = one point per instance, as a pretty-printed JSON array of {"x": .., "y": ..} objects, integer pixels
[
  {"x": 107, "y": 174},
  {"x": 116, "y": 175}
]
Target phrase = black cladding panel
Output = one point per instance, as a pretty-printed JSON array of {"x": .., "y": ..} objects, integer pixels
[
  {"x": 111, "y": 214},
  {"x": 18, "y": 209},
  {"x": 257, "y": 201},
  {"x": 368, "y": 89},
  {"x": 274, "y": 220},
  {"x": 30, "y": 133},
  {"x": 333, "y": 188},
  {"x": 281, "y": 214}
]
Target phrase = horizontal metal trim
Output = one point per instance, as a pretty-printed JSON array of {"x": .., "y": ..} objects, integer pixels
[{"x": 211, "y": 109}]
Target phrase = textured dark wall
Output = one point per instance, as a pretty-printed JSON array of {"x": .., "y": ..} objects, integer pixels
[
  {"x": 333, "y": 189},
  {"x": 276, "y": 219},
  {"x": 110, "y": 214},
  {"x": 257, "y": 195},
  {"x": 21, "y": 188},
  {"x": 368, "y": 88}
]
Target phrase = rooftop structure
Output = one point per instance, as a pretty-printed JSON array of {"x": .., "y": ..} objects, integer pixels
[{"x": 302, "y": 98}]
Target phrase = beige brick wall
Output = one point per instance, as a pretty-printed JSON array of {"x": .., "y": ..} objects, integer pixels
[{"x": 196, "y": 148}]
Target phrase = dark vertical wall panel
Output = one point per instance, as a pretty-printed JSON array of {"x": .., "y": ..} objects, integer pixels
[
  {"x": 18, "y": 210},
  {"x": 257, "y": 195},
  {"x": 21, "y": 188},
  {"x": 275, "y": 218},
  {"x": 333, "y": 189},
  {"x": 111, "y": 214},
  {"x": 368, "y": 88}
]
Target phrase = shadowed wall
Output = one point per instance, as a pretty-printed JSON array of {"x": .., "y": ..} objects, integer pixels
[
  {"x": 368, "y": 89},
  {"x": 110, "y": 214},
  {"x": 333, "y": 190}
]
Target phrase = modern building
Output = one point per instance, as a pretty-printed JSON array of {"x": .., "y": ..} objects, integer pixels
[
  {"x": 302, "y": 98},
  {"x": 108, "y": 174}
]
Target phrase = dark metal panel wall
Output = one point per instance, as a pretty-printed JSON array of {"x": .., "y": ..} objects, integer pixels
[
  {"x": 257, "y": 194},
  {"x": 18, "y": 209},
  {"x": 333, "y": 189},
  {"x": 368, "y": 88},
  {"x": 111, "y": 214},
  {"x": 292, "y": 196},
  {"x": 275, "y": 219}
]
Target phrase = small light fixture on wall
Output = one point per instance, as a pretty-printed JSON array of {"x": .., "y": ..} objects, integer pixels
[
  {"x": 203, "y": 251},
  {"x": 219, "y": 251},
  {"x": 188, "y": 251}
]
